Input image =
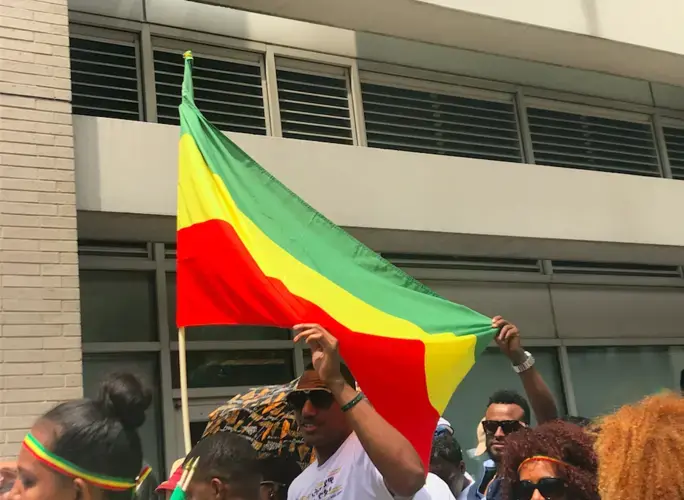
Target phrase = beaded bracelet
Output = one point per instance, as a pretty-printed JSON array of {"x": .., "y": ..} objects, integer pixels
[{"x": 351, "y": 404}]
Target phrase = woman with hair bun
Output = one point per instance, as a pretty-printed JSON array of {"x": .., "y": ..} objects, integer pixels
[
  {"x": 86, "y": 449},
  {"x": 554, "y": 461}
]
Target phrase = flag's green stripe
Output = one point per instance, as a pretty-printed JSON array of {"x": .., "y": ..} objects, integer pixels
[{"x": 318, "y": 243}]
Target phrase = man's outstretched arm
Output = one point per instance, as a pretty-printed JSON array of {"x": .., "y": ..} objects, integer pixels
[{"x": 391, "y": 453}]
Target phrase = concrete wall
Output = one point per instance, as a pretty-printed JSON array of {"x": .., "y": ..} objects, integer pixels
[
  {"x": 655, "y": 24},
  {"x": 117, "y": 162},
  {"x": 40, "y": 343}
]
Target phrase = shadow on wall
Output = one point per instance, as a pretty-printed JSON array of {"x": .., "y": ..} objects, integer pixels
[{"x": 591, "y": 13}]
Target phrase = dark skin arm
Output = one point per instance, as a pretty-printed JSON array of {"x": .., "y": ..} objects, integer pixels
[
  {"x": 392, "y": 454},
  {"x": 538, "y": 393}
]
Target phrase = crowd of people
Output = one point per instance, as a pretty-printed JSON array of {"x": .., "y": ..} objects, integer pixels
[{"x": 90, "y": 449}]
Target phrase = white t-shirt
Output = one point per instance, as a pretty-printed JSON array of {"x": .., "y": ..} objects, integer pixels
[{"x": 350, "y": 475}]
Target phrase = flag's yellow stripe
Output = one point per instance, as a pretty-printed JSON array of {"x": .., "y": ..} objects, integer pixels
[{"x": 202, "y": 196}]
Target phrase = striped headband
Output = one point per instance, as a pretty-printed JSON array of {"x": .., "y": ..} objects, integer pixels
[
  {"x": 542, "y": 458},
  {"x": 70, "y": 469}
]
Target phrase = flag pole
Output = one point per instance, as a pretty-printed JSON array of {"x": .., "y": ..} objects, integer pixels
[{"x": 185, "y": 411}]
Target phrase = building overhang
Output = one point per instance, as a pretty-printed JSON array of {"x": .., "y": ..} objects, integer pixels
[{"x": 430, "y": 21}]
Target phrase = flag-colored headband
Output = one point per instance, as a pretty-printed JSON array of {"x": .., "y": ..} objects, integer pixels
[
  {"x": 542, "y": 458},
  {"x": 69, "y": 469}
]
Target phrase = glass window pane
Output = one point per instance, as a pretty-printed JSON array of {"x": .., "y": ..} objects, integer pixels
[
  {"x": 235, "y": 368},
  {"x": 493, "y": 372},
  {"x": 605, "y": 378},
  {"x": 232, "y": 332},
  {"x": 118, "y": 306},
  {"x": 96, "y": 367}
]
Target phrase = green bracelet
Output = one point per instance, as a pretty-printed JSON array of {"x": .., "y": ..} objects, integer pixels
[{"x": 357, "y": 399}]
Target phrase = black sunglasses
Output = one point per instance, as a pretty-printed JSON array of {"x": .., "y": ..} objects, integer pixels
[
  {"x": 507, "y": 426},
  {"x": 551, "y": 488},
  {"x": 320, "y": 398}
]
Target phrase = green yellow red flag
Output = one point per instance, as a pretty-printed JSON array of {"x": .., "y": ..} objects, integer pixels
[{"x": 251, "y": 252}]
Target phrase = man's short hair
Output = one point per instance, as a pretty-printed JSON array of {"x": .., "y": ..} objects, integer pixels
[
  {"x": 226, "y": 456},
  {"x": 447, "y": 448},
  {"x": 508, "y": 397},
  {"x": 344, "y": 370}
]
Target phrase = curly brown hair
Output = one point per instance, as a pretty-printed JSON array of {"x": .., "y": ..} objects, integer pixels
[
  {"x": 562, "y": 441},
  {"x": 641, "y": 450}
]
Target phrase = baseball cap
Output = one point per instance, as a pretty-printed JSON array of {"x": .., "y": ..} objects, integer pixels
[{"x": 172, "y": 481}]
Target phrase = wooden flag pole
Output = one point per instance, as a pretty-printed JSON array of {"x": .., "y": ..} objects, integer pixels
[{"x": 185, "y": 412}]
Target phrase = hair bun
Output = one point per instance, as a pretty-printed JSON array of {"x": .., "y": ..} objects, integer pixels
[{"x": 125, "y": 398}]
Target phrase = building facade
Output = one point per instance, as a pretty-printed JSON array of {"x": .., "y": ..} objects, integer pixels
[{"x": 523, "y": 163}]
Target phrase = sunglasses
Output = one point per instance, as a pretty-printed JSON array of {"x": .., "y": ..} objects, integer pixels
[
  {"x": 320, "y": 399},
  {"x": 551, "y": 488},
  {"x": 507, "y": 426}
]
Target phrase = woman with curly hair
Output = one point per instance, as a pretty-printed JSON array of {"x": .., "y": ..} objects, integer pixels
[
  {"x": 641, "y": 450},
  {"x": 554, "y": 461}
]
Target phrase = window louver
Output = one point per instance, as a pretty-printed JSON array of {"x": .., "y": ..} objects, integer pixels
[
  {"x": 314, "y": 107},
  {"x": 592, "y": 143},
  {"x": 229, "y": 94},
  {"x": 674, "y": 139},
  {"x": 429, "y": 122},
  {"x": 114, "y": 249},
  {"x": 464, "y": 263},
  {"x": 104, "y": 79},
  {"x": 614, "y": 269}
]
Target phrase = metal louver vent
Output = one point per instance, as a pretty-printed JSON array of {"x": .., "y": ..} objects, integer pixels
[
  {"x": 428, "y": 122},
  {"x": 674, "y": 139},
  {"x": 170, "y": 251},
  {"x": 614, "y": 269},
  {"x": 592, "y": 143},
  {"x": 114, "y": 249},
  {"x": 104, "y": 79},
  {"x": 314, "y": 107},
  {"x": 465, "y": 263},
  {"x": 229, "y": 94}
]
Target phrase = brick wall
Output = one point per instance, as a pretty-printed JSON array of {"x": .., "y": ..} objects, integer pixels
[{"x": 40, "y": 343}]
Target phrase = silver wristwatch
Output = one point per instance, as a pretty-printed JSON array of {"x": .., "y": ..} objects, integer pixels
[{"x": 525, "y": 365}]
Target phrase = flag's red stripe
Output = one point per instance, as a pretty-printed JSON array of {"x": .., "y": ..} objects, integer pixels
[{"x": 219, "y": 282}]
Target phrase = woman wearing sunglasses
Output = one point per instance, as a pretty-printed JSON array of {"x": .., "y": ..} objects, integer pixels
[{"x": 555, "y": 461}]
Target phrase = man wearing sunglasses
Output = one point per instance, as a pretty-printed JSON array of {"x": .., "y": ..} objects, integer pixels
[
  {"x": 507, "y": 411},
  {"x": 359, "y": 456}
]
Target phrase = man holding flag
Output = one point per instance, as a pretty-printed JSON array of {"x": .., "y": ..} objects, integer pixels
[{"x": 359, "y": 455}]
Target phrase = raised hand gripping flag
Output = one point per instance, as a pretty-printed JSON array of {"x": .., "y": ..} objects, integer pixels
[{"x": 251, "y": 252}]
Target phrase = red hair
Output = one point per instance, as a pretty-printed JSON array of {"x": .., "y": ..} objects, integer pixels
[{"x": 560, "y": 441}]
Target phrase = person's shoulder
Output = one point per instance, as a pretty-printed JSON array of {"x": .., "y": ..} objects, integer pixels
[
  {"x": 434, "y": 489},
  {"x": 304, "y": 479}
]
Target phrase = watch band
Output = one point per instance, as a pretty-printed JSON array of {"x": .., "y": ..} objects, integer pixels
[{"x": 525, "y": 365}]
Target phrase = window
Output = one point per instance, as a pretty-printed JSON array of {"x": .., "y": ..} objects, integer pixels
[
  {"x": 235, "y": 368},
  {"x": 104, "y": 79},
  {"x": 229, "y": 93},
  {"x": 605, "y": 378},
  {"x": 96, "y": 367},
  {"x": 439, "y": 123},
  {"x": 674, "y": 139},
  {"x": 118, "y": 306},
  {"x": 314, "y": 106},
  {"x": 592, "y": 143},
  {"x": 493, "y": 372}
]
